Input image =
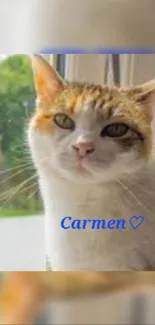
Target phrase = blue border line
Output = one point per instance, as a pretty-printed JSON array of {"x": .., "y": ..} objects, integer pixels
[{"x": 98, "y": 51}]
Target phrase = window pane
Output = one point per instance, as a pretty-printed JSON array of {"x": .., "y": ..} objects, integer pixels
[
  {"x": 61, "y": 60},
  {"x": 116, "y": 68}
]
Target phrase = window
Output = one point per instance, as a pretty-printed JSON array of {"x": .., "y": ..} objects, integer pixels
[{"x": 116, "y": 68}]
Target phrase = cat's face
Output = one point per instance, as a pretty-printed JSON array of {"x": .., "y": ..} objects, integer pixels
[{"x": 89, "y": 133}]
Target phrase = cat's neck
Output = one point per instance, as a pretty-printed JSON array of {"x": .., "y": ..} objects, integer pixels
[{"x": 66, "y": 197}]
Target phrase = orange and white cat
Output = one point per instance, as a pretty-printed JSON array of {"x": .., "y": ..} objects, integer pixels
[
  {"x": 93, "y": 148},
  {"x": 23, "y": 294}
]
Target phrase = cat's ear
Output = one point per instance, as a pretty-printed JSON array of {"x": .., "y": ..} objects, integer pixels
[
  {"x": 48, "y": 83},
  {"x": 145, "y": 94}
]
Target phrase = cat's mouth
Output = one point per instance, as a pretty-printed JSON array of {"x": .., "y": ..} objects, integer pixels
[{"x": 79, "y": 166}]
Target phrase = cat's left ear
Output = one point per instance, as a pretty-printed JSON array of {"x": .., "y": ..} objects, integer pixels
[{"x": 48, "y": 83}]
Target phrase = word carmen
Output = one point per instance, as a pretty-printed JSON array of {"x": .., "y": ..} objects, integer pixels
[
  {"x": 83, "y": 224},
  {"x": 79, "y": 224}
]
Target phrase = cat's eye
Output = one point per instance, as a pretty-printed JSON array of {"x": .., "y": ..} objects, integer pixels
[
  {"x": 63, "y": 121},
  {"x": 114, "y": 130}
]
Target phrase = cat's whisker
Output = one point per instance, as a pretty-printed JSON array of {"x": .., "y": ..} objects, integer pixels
[
  {"x": 135, "y": 184},
  {"x": 130, "y": 192},
  {"x": 6, "y": 194},
  {"x": 23, "y": 147},
  {"x": 28, "y": 187},
  {"x": 25, "y": 160},
  {"x": 15, "y": 174},
  {"x": 26, "y": 154},
  {"x": 18, "y": 187},
  {"x": 33, "y": 193},
  {"x": 13, "y": 168}
]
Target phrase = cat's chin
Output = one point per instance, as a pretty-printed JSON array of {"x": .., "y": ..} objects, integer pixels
[{"x": 79, "y": 176}]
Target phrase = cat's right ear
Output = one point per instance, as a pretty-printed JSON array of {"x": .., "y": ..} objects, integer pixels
[{"x": 47, "y": 81}]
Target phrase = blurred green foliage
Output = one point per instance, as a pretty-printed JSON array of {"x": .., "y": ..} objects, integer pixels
[{"x": 17, "y": 102}]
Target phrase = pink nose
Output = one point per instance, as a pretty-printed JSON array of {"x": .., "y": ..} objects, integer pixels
[{"x": 83, "y": 148}]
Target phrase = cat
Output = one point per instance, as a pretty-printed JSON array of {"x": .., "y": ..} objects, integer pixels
[
  {"x": 93, "y": 149},
  {"x": 23, "y": 293}
]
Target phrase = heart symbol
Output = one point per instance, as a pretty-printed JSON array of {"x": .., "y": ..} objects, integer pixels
[{"x": 135, "y": 222}]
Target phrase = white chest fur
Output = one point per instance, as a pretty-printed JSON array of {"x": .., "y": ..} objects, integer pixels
[{"x": 96, "y": 249}]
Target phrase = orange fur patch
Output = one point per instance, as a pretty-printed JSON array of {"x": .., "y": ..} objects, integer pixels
[
  {"x": 43, "y": 123},
  {"x": 113, "y": 104},
  {"x": 21, "y": 297}
]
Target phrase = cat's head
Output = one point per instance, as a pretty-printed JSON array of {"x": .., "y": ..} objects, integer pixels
[{"x": 89, "y": 133}]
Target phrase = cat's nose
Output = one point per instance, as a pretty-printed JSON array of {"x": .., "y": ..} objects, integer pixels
[{"x": 83, "y": 148}]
